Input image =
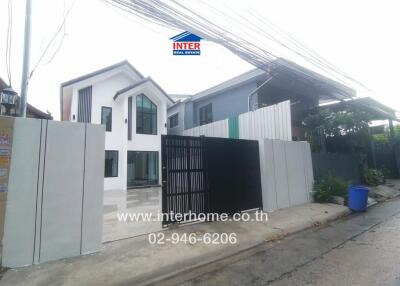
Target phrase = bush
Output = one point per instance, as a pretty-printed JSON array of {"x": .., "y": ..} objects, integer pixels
[
  {"x": 374, "y": 177},
  {"x": 328, "y": 187}
]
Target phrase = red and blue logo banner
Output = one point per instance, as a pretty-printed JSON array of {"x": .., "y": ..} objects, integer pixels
[{"x": 186, "y": 44}]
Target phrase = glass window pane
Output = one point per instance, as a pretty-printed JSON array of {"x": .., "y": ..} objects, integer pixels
[
  {"x": 142, "y": 168},
  {"x": 205, "y": 114},
  {"x": 106, "y": 117},
  {"x": 111, "y": 164},
  {"x": 139, "y": 122},
  {"x": 153, "y": 124},
  {"x": 139, "y": 101},
  {"x": 146, "y": 116},
  {"x": 146, "y": 104},
  {"x": 147, "y": 123}
]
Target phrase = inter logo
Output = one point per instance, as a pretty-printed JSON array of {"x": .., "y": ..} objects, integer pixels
[{"x": 186, "y": 44}]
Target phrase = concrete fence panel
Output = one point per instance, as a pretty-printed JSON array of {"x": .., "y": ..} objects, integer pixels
[
  {"x": 273, "y": 122},
  {"x": 62, "y": 191},
  {"x": 20, "y": 218},
  {"x": 215, "y": 129},
  {"x": 286, "y": 173},
  {"x": 55, "y": 192}
]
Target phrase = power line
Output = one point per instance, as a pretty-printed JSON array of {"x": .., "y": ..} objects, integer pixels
[
  {"x": 305, "y": 48},
  {"x": 9, "y": 42},
  {"x": 247, "y": 24},
  {"x": 182, "y": 17},
  {"x": 53, "y": 38}
]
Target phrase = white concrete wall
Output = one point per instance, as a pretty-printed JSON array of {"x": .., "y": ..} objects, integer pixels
[
  {"x": 286, "y": 173},
  {"x": 55, "y": 192},
  {"x": 272, "y": 122},
  {"x": 103, "y": 91}
]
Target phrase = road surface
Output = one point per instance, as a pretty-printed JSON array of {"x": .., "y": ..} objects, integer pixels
[{"x": 361, "y": 249}]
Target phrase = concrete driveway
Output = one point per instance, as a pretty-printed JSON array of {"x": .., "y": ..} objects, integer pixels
[{"x": 117, "y": 202}]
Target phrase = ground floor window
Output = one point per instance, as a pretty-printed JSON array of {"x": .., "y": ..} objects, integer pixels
[
  {"x": 111, "y": 164},
  {"x": 142, "y": 168}
]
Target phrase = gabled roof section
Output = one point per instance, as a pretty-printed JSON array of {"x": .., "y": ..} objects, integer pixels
[
  {"x": 100, "y": 71},
  {"x": 186, "y": 37},
  {"x": 251, "y": 75},
  {"x": 141, "y": 82}
]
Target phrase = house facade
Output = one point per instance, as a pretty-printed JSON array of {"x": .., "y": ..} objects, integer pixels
[
  {"x": 133, "y": 110},
  {"x": 280, "y": 81}
]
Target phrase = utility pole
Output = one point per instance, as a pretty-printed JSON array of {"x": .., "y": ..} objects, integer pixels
[{"x": 25, "y": 68}]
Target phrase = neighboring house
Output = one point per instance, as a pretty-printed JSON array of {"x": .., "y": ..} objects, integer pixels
[
  {"x": 133, "y": 110},
  {"x": 255, "y": 89},
  {"x": 10, "y": 107}
]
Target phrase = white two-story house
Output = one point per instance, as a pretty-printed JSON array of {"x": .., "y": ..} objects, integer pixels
[{"x": 134, "y": 111}]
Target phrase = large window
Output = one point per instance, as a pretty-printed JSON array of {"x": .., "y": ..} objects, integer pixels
[
  {"x": 111, "y": 164},
  {"x": 205, "y": 114},
  {"x": 146, "y": 115},
  {"x": 106, "y": 117},
  {"x": 173, "y": 120},
  {"x": 142, "y": 168}
]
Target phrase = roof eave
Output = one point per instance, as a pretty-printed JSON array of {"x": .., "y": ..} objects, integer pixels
[
  {"x": 100, "y": 71},
  {"x": 148, "y": 79}
]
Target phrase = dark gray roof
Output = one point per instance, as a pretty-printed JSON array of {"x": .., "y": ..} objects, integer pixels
[
  {"x": 2, "y": 84},
  {"x": 232, "y": 83},
  {"x": 100, "y": 71},
  {"x": 140, "y": 82},
  {"x": 281, "y": 67}
]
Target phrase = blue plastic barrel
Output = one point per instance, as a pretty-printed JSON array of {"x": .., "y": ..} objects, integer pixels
[{"x": 357, "y": 198}]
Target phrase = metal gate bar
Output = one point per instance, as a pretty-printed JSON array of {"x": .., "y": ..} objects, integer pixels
[
  {"x": 184, "y": 189},
  {"x": 206, "y": 174}
]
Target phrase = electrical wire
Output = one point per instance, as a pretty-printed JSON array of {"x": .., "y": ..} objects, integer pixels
[
  {"x": 9, "y": 42},
  {"x": 182, "y": 17},
  {"x": 53, "y": 38}
]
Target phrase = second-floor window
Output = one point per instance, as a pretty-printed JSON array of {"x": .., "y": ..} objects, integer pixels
[
  {"x": 146, "y": 115},
  {"x": 173, "y": 120},
  {"x": 205, "y": 114},
  {"x": 106, "y": 117}
]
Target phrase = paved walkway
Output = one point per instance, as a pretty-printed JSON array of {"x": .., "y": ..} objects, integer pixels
[{"x": 134, "y": 261}]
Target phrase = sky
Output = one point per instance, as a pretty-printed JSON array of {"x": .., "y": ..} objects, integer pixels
[{"x": 359, "y": 37}]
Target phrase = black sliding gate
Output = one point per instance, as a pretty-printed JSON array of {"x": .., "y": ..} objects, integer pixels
[{"x": 209, "y": 175}]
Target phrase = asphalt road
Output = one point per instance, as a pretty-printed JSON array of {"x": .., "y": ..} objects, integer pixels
[{"x": 362, "y": 249}]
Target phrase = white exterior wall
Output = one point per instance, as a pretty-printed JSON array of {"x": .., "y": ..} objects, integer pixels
[{"x": 103, "y": 91}]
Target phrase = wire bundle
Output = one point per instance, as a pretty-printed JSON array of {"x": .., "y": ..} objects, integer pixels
[{"x": 258, "y": 46}]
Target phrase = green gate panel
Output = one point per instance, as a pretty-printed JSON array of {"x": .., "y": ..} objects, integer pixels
[{"x": 233, "y": 124}]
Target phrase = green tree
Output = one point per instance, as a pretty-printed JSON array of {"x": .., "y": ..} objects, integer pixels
[{"x": 351, "y": 122}]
